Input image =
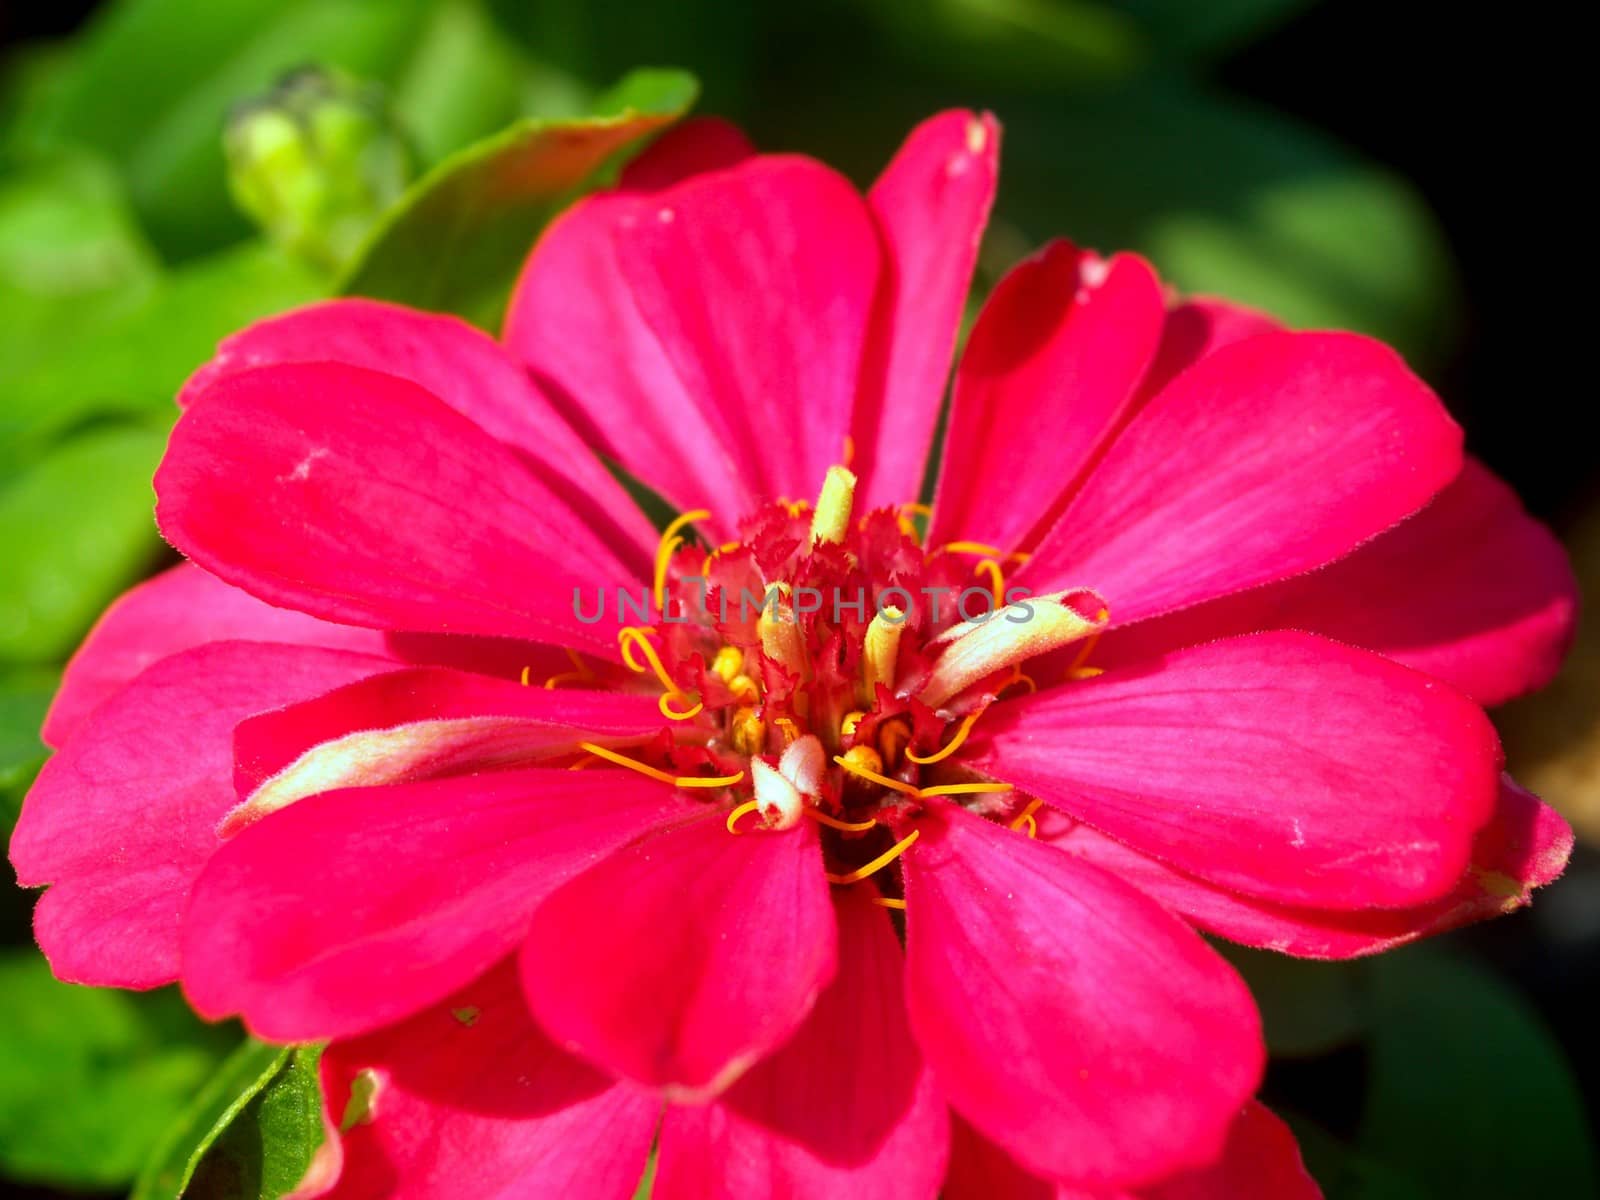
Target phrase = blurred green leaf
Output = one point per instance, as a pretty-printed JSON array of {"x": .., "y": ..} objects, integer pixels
[
  {"x": 24, "y": 699},
  {"x": 1233, "y": 199},
  {"x": 1182, "y": 28},
  {"x": 1468, "y": 1094},
  {"x": 70, "y": 253},
  {"x": 1307, "y": 1008},
  {"x": 75, "y": 529},
  {"x": 252, "y": 1134},
  {"x": 136, "y": 361},
  {"x": 155, "y": 80},
  {"x": 89, "y": 1078},
  {"x": 457, "y": 239}
]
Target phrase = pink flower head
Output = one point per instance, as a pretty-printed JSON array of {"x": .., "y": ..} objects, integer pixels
[{"x": 872, "y": 840}]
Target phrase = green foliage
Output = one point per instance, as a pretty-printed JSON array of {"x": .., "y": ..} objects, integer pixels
[
  {"x": 89, "y": 1077},
  {"x": 24, "y": 699},
  {"x": 253, "y": 1133}
]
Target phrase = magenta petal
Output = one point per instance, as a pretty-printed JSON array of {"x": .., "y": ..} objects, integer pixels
[
  {"x": 1525, "y": 845},
  {"x": 466, "y": 369},
  {"x": 681, "y": 960},
  {"x": 1052, "y": 366},
  {"x": 1197, "y": 327},
  {"x": 845, "y": 1107},
  {"x": 470, "y": 1099},
  {"x": 1280, "y": 765},
  {"x": 708, "y": 336},
  {"x": 359, "y": 497},
  {"x": 931, "y": 203},
  {"x": 1066, "y": 1015},
  {"x": 1270, "y": 457},
  {"x": 180, "y": 608},
  {"x": 354, "y": 908},
  {"x": 123, "y": 818},
  {"x": 688, "y": 148},
  {"x": 1471, "y": 590}
]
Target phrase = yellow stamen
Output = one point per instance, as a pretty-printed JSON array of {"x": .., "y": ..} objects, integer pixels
[
  {"x": 823, "y": 818},
  {"x": 747, "y": 732},
  {"x": 729, "y": 661},
  {"x": 791, "y": 731},
  {"x": 705, "y": 567},
  {"x": 581, "y": 672},
  {"x": 668, "y": 546},
  {"x": 733, "y": 817},
  {"x": 953, "y": 744},
  {"x": 672, "y": 714},
  {"x": 857, "y": 767},
  {"x": 851, "y": 722},
  {"x": 1025, "y": 817},
  {"x": 894, "y": 735},
  {"x": 879, "y": 863},
  {"x": 744, "y": 689},
  {"x": 1031, "y": 826},
  {"x": 881, "y": 650},
  {"x": 633, "y": 636},
  {"x": 1077, "y": 670},
  {"x": 525, "y": 671},
  {"x": 1018, "y": 675},
  {"x": 997, "y": 580},
  {"x": 683, "y": 781},
  {"x": 962, "y": 789},
  {"x": 584, "y": 763},
  {"x": 779, "y": 629},
  {"x": 925, "y": 511},
  {"x": 831, "y": 521},
  {"x": 985, "y": 549},
  {"x": 889, "y": 902}
]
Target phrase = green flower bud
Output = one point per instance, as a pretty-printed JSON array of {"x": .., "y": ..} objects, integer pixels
[{"x": 315, "y": 161}]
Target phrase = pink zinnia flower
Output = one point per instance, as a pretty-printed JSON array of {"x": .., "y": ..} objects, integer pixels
[{"x": 313, "y": 773}]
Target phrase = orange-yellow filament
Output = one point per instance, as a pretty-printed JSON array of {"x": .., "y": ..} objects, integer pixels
[
  {"x": 673, "y": 714},
  {"x": 634, "y": 637},
  {"x": 953, "y": 744},
  {"x": 683, "y": 781},
  {"x": 1077, "y": 670},
  {"x": 985, "y": 549},
  {"x": 1019, "y": 676},
  {"x": 705, "y": 567},
  {"x": 525, "y": 671},
  {"x": 791, "y": 731},
  {"x": 668, "y": 546},
  {"x": 879, "y": 863},
  {"x": 889, "y": 902},
  {"x": 997, "y": 579},
  {"x": 962, "y": 789},
  {"x": 862, "y": 772},
  {"x": 1025, "y": 817},
  {"x": 823, "y": 818},
  {"x": 746, "y": 807},
  {"x": 580, "y": 672},
  {"x": 588, "y": 760}
]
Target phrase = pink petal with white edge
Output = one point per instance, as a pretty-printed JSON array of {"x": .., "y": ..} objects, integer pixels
[
  {"x": 931, "y": 203},
  {"x": 708, "y": 336},
  {"x": 686, "y": 957},
  {"x": 420, "y": 723},
  {"x": 1471, "y": 590},
  {"x": 122, "y": 820},
  {"x": 1272, "y": 456},
  {"x": 466, "y": 369},
  {"x": 1279, "y": 765},
  {"x": 359, "y": 497},
  {"x": 1525, "y": 846},
  {"x": 1261, "y": 1161},
  {"x": 1051, "y": 368},
  {"x": 351, "y": 909},
  {"x": 180, "y": 608},
  {"x": 845, "y": 1107},
  {"x": 471, "y": 1099},
  {"x": 1067, "y": 1016}
]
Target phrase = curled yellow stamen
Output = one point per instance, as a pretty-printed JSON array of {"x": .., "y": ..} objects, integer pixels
[
  {"x": 879, "y": 863},
  {"x": 823, "y": 818},
  {"x": 1025, "y": 817},
  {"x": 1020, "y": 676},
  {"x": 855, "y": 768},
  {"x": 580, "y": 672},
  {"x": 962, "y": 789},
  {"x": 733, "y": 817},
  {"x": 997, "y": 580},
  {"x": 633, "y": 636},
  {"x": 683, "y": 781},
  {"x": 668, "y": 546},
  {"x": 1078, "y": 670},
  {"x": 889, "y": 902},
  {"x": 953, "y": 744},
  {"x": 985, "y": 549},
  {"x": 705, "y": 567},
  {"x": 672, "y": 714},
  {"x": 744, "y": 689}
]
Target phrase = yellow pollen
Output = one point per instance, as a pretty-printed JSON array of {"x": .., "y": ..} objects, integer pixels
[
  {"x": 881, "y": 650},
  {"x": 856, "y": 762},
  {"x": 733, "y": 817},
  {"x": 963, "y": 789},
  {"x": 791, "y": 731},
  {"x": 744, "y": 689},
  {"x": 823, "y": 818},
  {"x": 779, "y": 629},
  {"x": 1025, "y": 817},
  {"x": 851, "y": 722},
  {"x": 879, "y": 863},
  {"x": 683, "y": 781},
  {"x": 997, "y": 580},
  {"x": 667, "y": 547},
  {"x": 747, "y": 732},
  {"x": 831, "y": 521},
  {"x": 672, "y": 714},
  {"x": 889, "y": 902},
  {"x": 728, "y": 662},
  {"x": 953, "y": 744}
]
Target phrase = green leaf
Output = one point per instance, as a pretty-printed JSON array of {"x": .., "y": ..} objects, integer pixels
[
  {"x": 89, "y": 1077},
  {"x": 1469, "y": 1094},
  {"x": 1307, "y": 1008},
  {"x": 136, "y": 361},
  {"x": 1181, "y": 28},
  {"x": 75, "y": 529},
  {"x": 456, "y": 241},
  {"x": 252, "y": 1134},
  {"x": 24, "y": 699},
  {"x": 155, "y": 79}
]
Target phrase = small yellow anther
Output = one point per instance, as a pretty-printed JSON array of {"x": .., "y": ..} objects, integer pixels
[
  {"x": 782, "y": 639},
  {"x": 728, "y": 662},
  {"x": 852, "y": 722},
  {"x": 831, "y": 521},
  {"x": 881, "y": 650},
  {"x": 744, "y": 689},
  {"x": 791, "y": 731},
  {"x": 747, "y": 731}
]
